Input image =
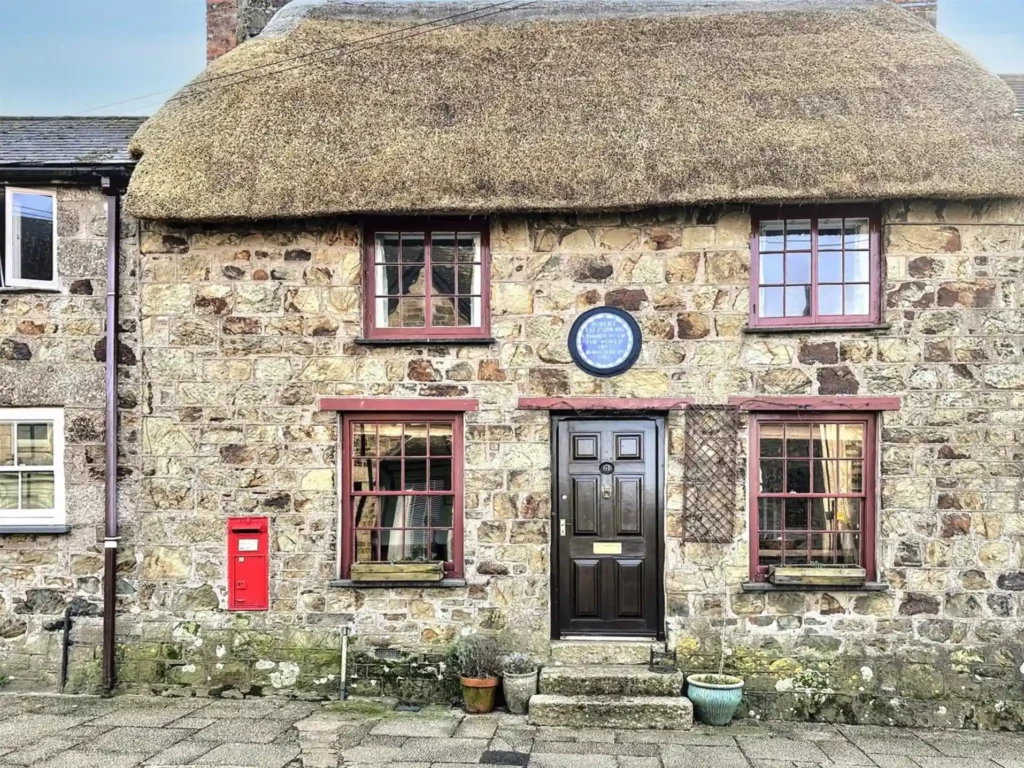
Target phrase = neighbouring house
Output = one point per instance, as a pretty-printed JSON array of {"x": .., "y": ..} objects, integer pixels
[
  {"x": 604, "y": 326},
  {"x": 1016, "y": 83},
  {"x": 61, "y": 179}
]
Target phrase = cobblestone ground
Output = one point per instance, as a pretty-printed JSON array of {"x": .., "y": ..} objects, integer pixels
[{"x": 83, "y": 732}]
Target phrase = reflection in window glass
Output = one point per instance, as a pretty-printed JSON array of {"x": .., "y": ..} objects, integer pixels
[{"x": 31, "y": 222}]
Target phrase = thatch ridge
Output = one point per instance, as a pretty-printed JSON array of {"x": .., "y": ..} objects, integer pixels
[{"x": 680, "y": 103}]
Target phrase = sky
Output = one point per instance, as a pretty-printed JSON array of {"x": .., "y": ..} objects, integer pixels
[{"x": 64, "y": 57}]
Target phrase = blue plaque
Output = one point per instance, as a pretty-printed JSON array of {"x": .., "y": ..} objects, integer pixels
[{"x": 605, "y": 341}]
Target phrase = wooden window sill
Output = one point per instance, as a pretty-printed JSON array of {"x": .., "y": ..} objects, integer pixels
[
  {"x": 34, "y": 530},
  {"x": 764, "y": 586},
  {"x": 443, "y": 584},
  {"x": 426, "y": 342},
  {"x": 754, "y": 330}
]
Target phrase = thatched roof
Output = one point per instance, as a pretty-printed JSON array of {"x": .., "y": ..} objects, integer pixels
[{"x": 589, "y": 105}]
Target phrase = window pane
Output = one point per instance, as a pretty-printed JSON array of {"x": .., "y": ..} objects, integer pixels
[
  {"x": 771, "y": 269},
  {"x": 366, "y": 511},
  {"x": 857, "y": 300},
  {"x": 771, "y": 439},
  {"x": 441, "y": 548},
  {"x": 37, "y": 490},
  {"x": 415, "y": 439},
  {"x": 770, "y": 549},
  {"x": 772, "y": 236},
  {"x": 823, "y": 513},
  {"x": 798, "y": 301},
  {"x": 441, "y": 511},
  {"x": 798, "y": 476},
  {"x": 798, "y": 235},
  {"x": 771, "y": 302},
  {"x": 33, "y": 234},
  {"x": 848, "y": 546},
  {"x": 851, "y": 440},
  {"x": 822, "y": 549},
  {"x": 364, "y": 439},
  {"x": 412, "y": 247},
  {"x": 440, "y": 439},
  {"x": 390, "y": 436},
  {"x": 413, "y": 313},
  {"x": 830, "y": 235},
  {"x": 390, "y": 286},
  {"x": 769, "y": 514},
  {"x": 442, "y": 248},
  {"x": 848, "y": 514},
  {"x": 798, "y": 268},
  {"x": 412, "y": 280},
  {"x": 415, "y": 475},
  {"x": 856, "y": 269},
  {"x": 416, "y": 545},
  {"x": 391, "y": 546},
  {"x": 390, "y": 475},
  {"x": 796, "y": 514},
  {"x": 798, "y": 440},
  {"x": 830, "y": 299},
  {"x": 795, "y": 546},
  {"x": 838, "y": 476},
  {"x": 469, "y": 278},
  {"x": 469, "y": 248},
  {"x": 830, "y": 267},
  {"x": 441, "y": 475},
  {"x": 856, "y": 234},
  {"x": 387, "y": 247},
  {"x": 393, "y": 307},
  {"x": 771, "y": 475},
  {"x": 8, "y": 490},
  {"x": 6, "y": 445},
  {"x": 442, "y": 312},
  {"x": 366, "y": 546},
  {"x": 35, "y": 444},
  {"x": 364, "y": 473},
  {"x": 825, "y": 440},
  {"x": 469, "y": 311},
  {"x": 443, "y": 279}
]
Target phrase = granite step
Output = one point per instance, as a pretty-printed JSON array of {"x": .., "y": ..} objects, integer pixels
[
  {"x": 624, "y": 712},
  {"x": 609, "y": 680},
  {"x": 578, "y": 652}
]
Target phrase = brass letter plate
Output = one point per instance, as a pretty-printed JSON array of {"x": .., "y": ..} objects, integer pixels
[{"x": 607, "y": 548}]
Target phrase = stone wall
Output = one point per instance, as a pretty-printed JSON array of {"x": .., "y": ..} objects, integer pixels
[
  {"x": 52, "y": 353},
  {"x": 244, "y": 327}
]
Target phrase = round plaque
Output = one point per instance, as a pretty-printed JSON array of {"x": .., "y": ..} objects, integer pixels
[{"x": 605, "y": 341}]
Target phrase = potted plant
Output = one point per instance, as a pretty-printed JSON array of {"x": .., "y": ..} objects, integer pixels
[
  {"x": 475, "y": 659},
  {"x": 519, "y": 679},
  {"x": 716, "y": 698}
]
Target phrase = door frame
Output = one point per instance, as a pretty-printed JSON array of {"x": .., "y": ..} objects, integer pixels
[{"x": 659, "y": 420}]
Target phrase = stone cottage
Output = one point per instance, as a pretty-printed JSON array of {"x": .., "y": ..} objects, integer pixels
[{"x": 606, "y": 327}]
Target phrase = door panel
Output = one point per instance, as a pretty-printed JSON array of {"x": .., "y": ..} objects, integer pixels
[{"x": 606, "y": 561}]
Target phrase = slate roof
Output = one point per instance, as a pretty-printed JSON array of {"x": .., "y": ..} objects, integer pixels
[
  {"x": 1016, "y": 83},
  {"x": 66, "y": 141}
]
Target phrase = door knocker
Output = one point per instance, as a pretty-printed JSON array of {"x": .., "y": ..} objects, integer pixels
[{"x": 606, "y": 493}]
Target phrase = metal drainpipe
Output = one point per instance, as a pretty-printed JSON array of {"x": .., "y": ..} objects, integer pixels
[{"x": 110, "y": 538}]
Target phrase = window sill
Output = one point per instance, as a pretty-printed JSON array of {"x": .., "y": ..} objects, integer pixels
[
  {"x": 754, "y": 330},
  {"x": 474, "y": 342},
  {"x": 763, "y": 586},
  {"x": 443, "y": 584},
  {"x": 34, "y": 530},
  {"x": 7, "y": 290}
]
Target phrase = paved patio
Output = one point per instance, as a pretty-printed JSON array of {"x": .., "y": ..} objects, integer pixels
[{"x": 86, "y": 732}]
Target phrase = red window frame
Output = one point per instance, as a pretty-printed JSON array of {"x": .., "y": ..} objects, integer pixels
[
  {"x": 759, "y": 572},
  {"x": 454, "y": 567},
  {"x": 428, "y": 227},
  {"x": 816, "y": 319}
]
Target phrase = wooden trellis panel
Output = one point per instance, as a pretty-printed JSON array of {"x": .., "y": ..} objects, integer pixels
[{"x": 710, "y": 473}]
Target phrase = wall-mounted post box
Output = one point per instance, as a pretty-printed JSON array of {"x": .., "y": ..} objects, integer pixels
[{"x": 248, "y": 564}]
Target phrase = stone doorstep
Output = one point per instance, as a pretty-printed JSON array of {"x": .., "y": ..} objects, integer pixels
[
  {"x": 579, "y": 652},
  {"x": 624, "y": 712},
  {"x": 609, "y": 679}
]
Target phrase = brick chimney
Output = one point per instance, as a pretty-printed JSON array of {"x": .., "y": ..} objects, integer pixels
[
  {"x": 927, "y": 10},
  {"x": 231, "y": 22}
]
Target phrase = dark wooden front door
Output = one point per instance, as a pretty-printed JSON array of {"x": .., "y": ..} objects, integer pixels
[{"x": 606, "y": 531}]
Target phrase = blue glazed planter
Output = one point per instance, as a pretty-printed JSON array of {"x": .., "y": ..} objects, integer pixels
[{"x": 715, "y": 698}]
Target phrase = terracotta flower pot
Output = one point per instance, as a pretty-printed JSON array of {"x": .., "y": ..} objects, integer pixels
[{"x": 478, "y": 694}]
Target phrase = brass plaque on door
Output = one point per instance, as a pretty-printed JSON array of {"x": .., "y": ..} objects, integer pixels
[{"x": 607, "y": 548}]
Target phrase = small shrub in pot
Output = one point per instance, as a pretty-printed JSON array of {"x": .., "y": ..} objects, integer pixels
[
  {"x": 475, "y": 659},
  {"x": 519, "y": 678}
]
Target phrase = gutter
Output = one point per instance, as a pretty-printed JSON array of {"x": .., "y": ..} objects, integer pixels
[
  {"x": 113, "y": 192},
  {"x": 68, "y": 174}
]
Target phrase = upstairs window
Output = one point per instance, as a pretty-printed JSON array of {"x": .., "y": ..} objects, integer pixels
[
  {"x": 31, "y": 467},
  {"x": 427, "y": 280},
  {"x": 812, "y": 491},
  {"x": 30, "y": 239},
  {"x": 815, "y": 269}
]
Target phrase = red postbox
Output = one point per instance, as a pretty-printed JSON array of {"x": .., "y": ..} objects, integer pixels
[{"x": 248, "y": 572}]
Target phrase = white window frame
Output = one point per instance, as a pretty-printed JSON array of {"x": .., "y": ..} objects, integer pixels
[
  {"x": 35, "y": 517},
  {"x": 9, "y": 280}
]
